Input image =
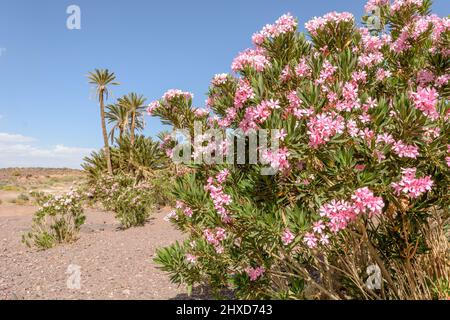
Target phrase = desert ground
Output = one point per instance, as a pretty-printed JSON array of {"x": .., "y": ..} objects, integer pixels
[{"x": 113, "y": 263}]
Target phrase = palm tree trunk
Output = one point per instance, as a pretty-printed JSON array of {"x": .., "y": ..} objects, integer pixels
[
  {"x": 133, "y": 125},
  {"x": 120, "y": 132},
  {"x": 105, "y": 135}
]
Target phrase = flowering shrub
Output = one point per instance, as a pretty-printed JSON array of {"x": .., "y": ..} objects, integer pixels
[
  {"x": 362, "y": 169},
  {"x": 131, "y": 202},
  {"x": 58, "y": 220}
]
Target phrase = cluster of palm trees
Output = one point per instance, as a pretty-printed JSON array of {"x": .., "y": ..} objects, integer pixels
[{"x": 125, "y": 115}]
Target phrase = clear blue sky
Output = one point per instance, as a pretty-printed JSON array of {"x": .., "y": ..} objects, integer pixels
[{"x": 152, "y": 46}]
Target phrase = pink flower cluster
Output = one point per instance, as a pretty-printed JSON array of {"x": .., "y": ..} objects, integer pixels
[
  {"x": 294, "y": 107},
  {"x": 429, "y": 134},
  {"x": 258, "y": 114},
  {"x": 317, "y": 23},
  {"x": 278, "y": 160},
  {"x": 253, "y": 58},
  {"x": 371, "y": 46},
  {"x": 200, "y": 112},
  {"x": 340, "y": 213},
  {"x": 405, "y": 151},
  {"x": 410, "y": 185},
  {"x": 182, "y": 206},
  {"x": 370, "y": 59},
  {"x": 176, "y": 93},
  {"x": 365, "y": 201},
  {"x": 326, "y": 73},
  {"x": 382, "y": 74},
  {"x": 219, "y": 197},
  {"x": 287, "y": 237},
  {"x": 286, "y": 23},
  {"x": 350, "y": 95},
  {"x": 302, "y": 69},
  {"x": 219, "y": 79},
  {"x": 323, "y": 127},
  {"x": 425, "y": 99},
  {"x": 244, "y": 92},
  {"x": 191, "y": 258},
  {"x": 214, "y": 237},
  {"x": 373, "y": 4},
  {"x": 255, "y": 273},
  {"x": 152, "y": 107},
  {"x": 171, "y": 215},
  {"x": 399, "y": 4}
]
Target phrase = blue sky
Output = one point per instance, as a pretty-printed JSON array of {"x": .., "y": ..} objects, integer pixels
[{"x": 48, "y": 116}]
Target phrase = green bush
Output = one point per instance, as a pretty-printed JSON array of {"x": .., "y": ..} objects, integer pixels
[
  {"x": 131, "y": 202},
  {"x": 58, "y": 220}
]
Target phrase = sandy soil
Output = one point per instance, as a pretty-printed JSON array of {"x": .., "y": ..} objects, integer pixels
[{"x": 113, "y": 263}]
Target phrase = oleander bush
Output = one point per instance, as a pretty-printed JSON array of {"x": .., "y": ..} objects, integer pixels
[
  {"x": 131, "y": 202},
  {"x": 58, "y": 220},
  {"x": 358, "y": 207}
]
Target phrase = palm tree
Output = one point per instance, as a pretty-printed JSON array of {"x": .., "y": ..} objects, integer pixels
[
  {"x": 119, "y": 116},
  {"x": 102, "y": 79},
  {"x": 134, "y": 103}
]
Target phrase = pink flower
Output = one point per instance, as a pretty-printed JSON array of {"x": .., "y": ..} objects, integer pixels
[
  {"x": 253, "y": 58},
  {"x": 310, "y": 240},
  {"x": 350, "y": 91},
  {"x": 370, "y": 59},
  {"x": 364, "y": 199},
  {"x": 287, "y": 237},
  {"x": 188, "y": 212},
  {"x": 386, "y": 138},
  {"x": 314, "y": 25},
  {"x": 324, "y": 239},
  {"x": 442, "y": 80},
  {"x": 214, "y": 236},
  {"x": 244, "y": 92},
  {"x": 179, "y": 204},
  {"x": 405, "y": 151},
  {"x": 286, "y": 23},
  {"x": 191, "y": 258},
  {"x": 171, "y": 215},
  {"x": 425, "y": 77},
  {"x": 373, "y": 4},
  {"x": 285, "y": 74},
  {"x": 399, "y": 4},
  {"x": 219, "y": 197},
  {"x": 219, "y": 79},
  {"x": 430, "y": 133},
  {"x": 281, "y": 134},
  {"x": 258, "y": 39},
  {"x": 425, "y": 99},
  {"x": 323, "y": 127},
  {"x": 176, "y": 93},
  {"x": 352, "y": 128},
  {"x": 222, "y": 176},
  {"x": 255, "y": 273},
  {"x": 278, "y": 159},
  {"x": 302, "y": 69},
  {"x": 152, "y": 107},
  {"x": 199, "y": 112},
  {"x": 326, "y": 73},
  {"x": 318, "y": 226},
  {"x": 410, "y": 185},
  {"x": 382, "y": 74}
]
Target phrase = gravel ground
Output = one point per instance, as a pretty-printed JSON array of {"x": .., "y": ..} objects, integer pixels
[{"x": 113, "y": 263}]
